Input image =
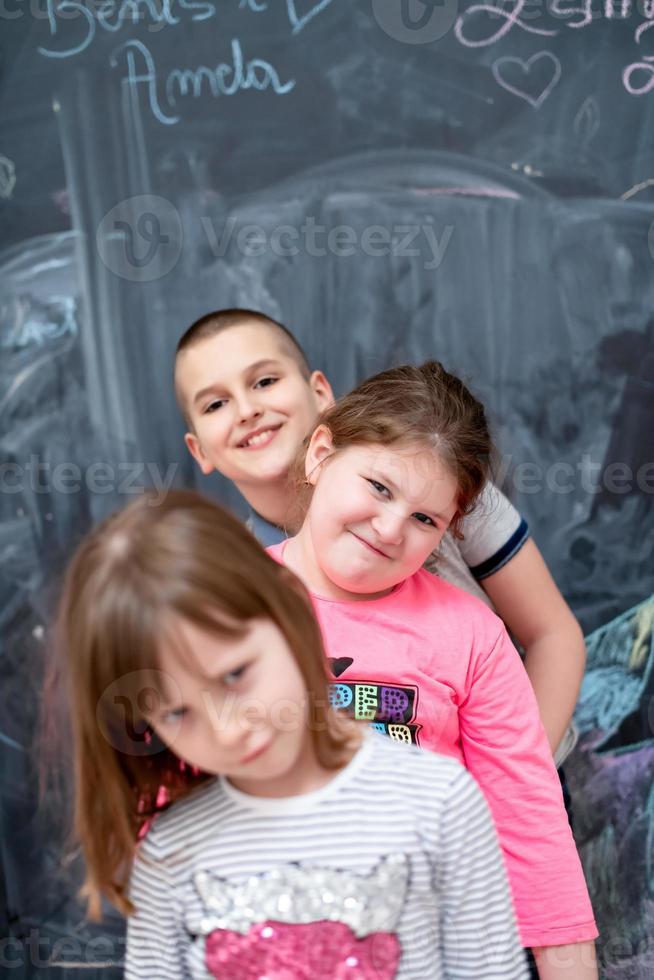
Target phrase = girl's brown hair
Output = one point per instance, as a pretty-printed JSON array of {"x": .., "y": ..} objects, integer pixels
[
  {"x": 421, "y": 406},
  {"x": 129, "y": 580}
]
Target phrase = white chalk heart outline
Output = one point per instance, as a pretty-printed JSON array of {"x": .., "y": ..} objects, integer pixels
[
  {"x": 297, "y": 23},
  {"x": 526, "y": 67}
]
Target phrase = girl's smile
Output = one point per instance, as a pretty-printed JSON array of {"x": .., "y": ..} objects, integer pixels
[{"x": 376, "y": 514}]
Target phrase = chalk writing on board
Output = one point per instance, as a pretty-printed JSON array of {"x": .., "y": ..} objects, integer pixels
[
  {"x": 477, "y": 27},
  {"x": 7, "y": 177},
  {"x": 638, "y": 78},
  {"x": 39, "y": 322},
  {"x": 636, "y": 189},
  {"x": 113, "y": 15},
  {"x": 298, "y": 21},
  {"x": 508, "y": 20},
  {"x": 520, "y": 78},
  {"x": 587, "y": 121},
  {"x": 226, "y": 78},
  {"x": 567, "y": 9}
]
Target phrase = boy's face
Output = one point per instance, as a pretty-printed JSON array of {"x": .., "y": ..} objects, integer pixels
[{"x": 249, "y": 404}]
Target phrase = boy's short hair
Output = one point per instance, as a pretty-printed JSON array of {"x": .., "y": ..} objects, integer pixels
[{"x": 220, "y": 320}]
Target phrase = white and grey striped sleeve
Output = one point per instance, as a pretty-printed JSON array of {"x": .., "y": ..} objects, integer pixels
[
  {"x": 478, "y": 928},
  {"x": 156, "y": 941}
]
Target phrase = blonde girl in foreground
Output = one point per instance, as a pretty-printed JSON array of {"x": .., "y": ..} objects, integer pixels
[{"x": 296, "y": 843}]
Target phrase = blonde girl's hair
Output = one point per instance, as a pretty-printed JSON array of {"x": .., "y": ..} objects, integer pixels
[
  {"x": 425, "y": 406},
  {"x": 129, "y": 581}
]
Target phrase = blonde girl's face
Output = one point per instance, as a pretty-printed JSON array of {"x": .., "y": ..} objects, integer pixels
[
  {"x": 376, "y": 514},
  {"x": 235, "y": 707}
]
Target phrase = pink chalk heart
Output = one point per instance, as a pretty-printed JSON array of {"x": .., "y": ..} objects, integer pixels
[{"x": 531, "y": 80}]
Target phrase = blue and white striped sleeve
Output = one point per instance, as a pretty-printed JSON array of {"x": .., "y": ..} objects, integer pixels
[
  {"x": 493, "y": 533},
  {"x": 478, "y": 928}
]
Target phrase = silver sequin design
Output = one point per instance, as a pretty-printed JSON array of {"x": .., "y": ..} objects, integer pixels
[{"x": 298, "y": 894}]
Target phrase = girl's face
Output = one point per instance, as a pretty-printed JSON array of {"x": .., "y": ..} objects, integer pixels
[
  {"x": 376, "y": 514},
  {"x": 235, "y": 707}
]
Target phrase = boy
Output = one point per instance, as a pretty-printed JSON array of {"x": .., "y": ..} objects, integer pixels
[{"x": 250, "y": 398}]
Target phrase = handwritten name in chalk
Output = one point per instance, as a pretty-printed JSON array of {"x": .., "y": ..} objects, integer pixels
[
  {"x": 508, "y": 20},
  {"x": 638, "y": 78},
  {"x": 113, "y": 15},
  {"x": 225, "y": 79},
  {"x": 484, "y": 24}
]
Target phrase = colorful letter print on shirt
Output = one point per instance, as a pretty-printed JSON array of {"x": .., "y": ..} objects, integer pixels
[
  {"x": 391, "y": 709},
  {"x": 305, "y": 923}
]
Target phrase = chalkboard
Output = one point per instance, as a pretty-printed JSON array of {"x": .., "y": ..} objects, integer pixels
[{"x": 393, "y": 180}]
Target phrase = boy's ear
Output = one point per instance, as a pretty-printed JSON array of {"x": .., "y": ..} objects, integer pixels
[
  {"x": 194, "y": 446},
  {"x": 322, "y": 390},
  {"x": 320, "y": 448}
]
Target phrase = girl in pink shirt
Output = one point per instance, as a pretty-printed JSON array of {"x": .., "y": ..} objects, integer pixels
[{"x": 393, "y": 465}]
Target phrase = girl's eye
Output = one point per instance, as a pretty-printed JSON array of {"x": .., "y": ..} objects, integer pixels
[
  {"x": 234, "y": 676},
  {"x": 266, "y": 382},
  {"x": 173, "y": 716},
  {"x": 214, "y": 406},
  {"x": 380, "y": 488},
  {"x": 425, "y": 519}
]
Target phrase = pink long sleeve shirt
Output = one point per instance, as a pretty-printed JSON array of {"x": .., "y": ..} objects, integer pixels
[{"x": 431, "y": 665}]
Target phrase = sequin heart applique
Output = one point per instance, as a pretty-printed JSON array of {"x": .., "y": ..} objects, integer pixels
[
  {"x": 313, "y": 951},
  {"x": 301, "y": 894}
]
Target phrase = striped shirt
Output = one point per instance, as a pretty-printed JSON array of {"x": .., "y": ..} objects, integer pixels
[{"x": 390, "y": 870}]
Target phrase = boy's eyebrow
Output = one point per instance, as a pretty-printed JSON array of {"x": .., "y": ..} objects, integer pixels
[
  {"x": 250, "y": 370},
  {"x": 265, "y": 362}
]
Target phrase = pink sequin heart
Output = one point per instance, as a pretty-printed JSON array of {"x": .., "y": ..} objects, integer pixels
[{"x": 310, "y": 951}]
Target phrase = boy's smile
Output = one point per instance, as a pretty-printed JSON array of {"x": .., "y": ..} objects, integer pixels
[
  {"x": 250, "y": 407},
  {"x": 260, "y": 437}
]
